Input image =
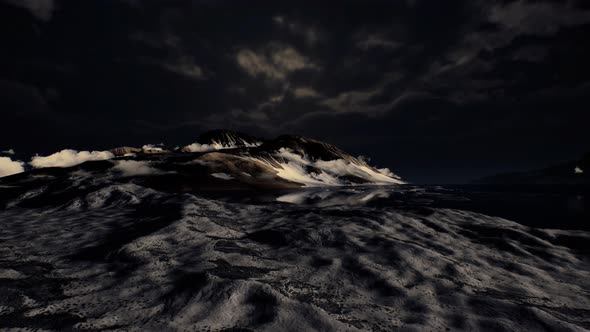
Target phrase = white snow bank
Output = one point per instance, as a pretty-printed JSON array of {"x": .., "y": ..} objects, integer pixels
[
  {"x": 197, "y": 147},
  {"x": 292, "y": 167},
  {"x": 10, "y": 167},
  {"x": 68, "y": 157}
]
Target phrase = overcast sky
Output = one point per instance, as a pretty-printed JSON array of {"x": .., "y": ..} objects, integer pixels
[{"x": 438, "y": 91}]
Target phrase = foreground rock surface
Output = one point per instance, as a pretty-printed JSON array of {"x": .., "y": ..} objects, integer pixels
[{"x": 94, "y": 253}]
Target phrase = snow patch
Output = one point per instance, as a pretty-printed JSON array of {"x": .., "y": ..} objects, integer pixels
[
  {"x": 134, "y": 167},
  {"x": 578, "y": 170},
  {"x": 300, "y": 169},
  {"x": 222, "y": 176},
  {"x": 10, "y": 167},
  {"x": 68, "y": 158}
]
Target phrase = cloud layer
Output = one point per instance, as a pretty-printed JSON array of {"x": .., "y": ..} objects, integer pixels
[{"x": 67, "y": 158}]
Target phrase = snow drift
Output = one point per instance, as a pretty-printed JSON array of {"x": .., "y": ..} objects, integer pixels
[{"x": 68, "y": 158}]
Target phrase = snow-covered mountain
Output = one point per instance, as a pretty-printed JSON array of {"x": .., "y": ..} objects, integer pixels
[
  {"x": 223, "y": 159},
  {"x": 148, "y": 239}
]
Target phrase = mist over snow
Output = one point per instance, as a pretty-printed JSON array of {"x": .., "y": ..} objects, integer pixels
[
  {"x": 153, "y": 148},
  {"x": 68, "y": 157},
  {"x": 134, "y": 167},
  {"x": 197, "y": 147},
  {"x": 10, "y": 167}
]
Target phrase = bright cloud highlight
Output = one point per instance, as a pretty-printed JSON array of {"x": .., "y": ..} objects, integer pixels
[
  {"x": 68, "y": 158},
  {"x": 10, "y": 167}
]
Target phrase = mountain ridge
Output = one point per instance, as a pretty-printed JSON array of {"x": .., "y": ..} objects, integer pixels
[{"x": 226, "y": 159}]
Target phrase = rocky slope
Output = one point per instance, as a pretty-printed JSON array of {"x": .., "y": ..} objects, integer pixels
[{"x": 223, "y": 159}]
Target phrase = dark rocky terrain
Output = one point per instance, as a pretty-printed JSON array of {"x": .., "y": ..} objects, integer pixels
[{"x": 158, "y": 241}]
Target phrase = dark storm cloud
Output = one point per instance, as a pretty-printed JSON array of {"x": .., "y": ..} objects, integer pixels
[
  {"x": 276, "y": 63},
  {"x": 461, "y": 84}
]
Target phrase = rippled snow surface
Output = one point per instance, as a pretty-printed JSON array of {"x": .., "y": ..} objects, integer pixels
[{"x": 119, "y": 256}]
